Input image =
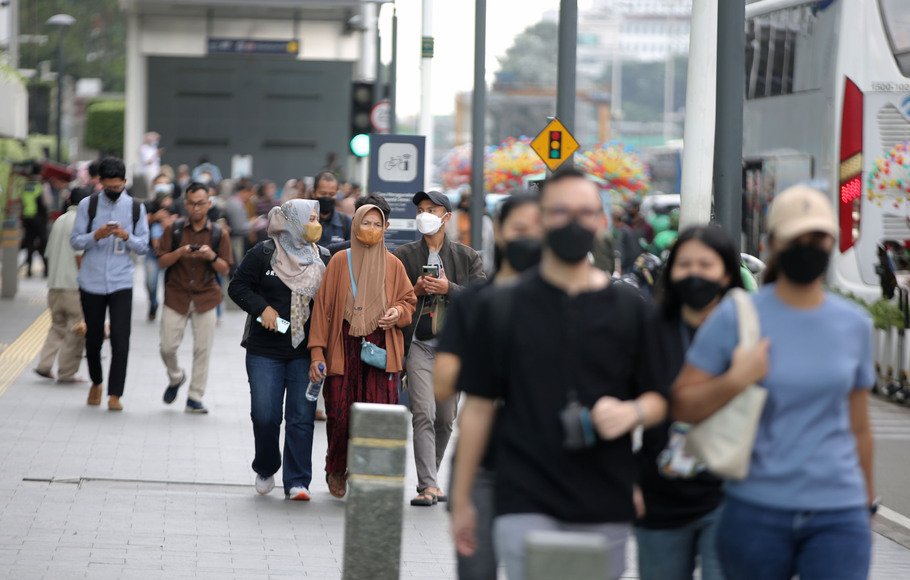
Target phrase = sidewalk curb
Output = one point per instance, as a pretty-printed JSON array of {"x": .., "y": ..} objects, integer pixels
[{"x": 16, "y": 357}]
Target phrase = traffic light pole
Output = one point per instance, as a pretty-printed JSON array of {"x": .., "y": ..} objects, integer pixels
[
  {"x": 565, "y": 71},
  {"x": 478, "y": 123},
  {"x": 728, "y": 139},
  {"x": 393, "y": 73}
]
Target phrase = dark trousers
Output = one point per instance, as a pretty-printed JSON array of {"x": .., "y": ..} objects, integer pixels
[
  {"x": 34, "y": 240},
  {"x": 94, "y": 308}
]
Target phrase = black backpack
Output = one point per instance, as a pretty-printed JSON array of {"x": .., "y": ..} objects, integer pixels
[{"x": 93, "y": 210}]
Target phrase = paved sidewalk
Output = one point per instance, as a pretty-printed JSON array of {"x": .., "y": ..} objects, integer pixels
[{"x": 154, "y": 492}]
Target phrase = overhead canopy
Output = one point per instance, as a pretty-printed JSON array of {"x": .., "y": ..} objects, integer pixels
[{"x": 260, "y": 9}]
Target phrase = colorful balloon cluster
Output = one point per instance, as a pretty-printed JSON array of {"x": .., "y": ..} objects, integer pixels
[
  {"x": 507, "y": 165},
  {"x": 890, "y": 177},
  {"x": 619, "y": 167}
]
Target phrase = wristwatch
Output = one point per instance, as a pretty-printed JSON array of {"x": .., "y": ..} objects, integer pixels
[
  {"x": 876, "y": 503},
  {"x": 213, "y": 260}
]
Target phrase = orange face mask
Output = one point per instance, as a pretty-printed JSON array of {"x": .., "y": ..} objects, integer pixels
[
  {"x": 312, "y": 232},
  {"x": 369, "y": 237}
]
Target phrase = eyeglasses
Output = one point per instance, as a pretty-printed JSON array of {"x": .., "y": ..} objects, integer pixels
[
  {"x": 197, "y": 204},
  {"x": 562, "y": 214}
]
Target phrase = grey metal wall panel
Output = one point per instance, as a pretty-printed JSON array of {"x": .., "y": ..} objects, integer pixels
[{"x": 288, "y": 114}]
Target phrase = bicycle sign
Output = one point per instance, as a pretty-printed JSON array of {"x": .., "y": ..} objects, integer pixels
[{"x": 397, "y": 162}]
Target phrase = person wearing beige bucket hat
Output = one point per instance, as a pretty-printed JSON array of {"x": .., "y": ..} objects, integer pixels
[{"x": 804, "y": 507}]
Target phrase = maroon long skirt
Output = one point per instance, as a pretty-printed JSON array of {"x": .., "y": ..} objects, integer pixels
[{"x": 360, "y": 383}]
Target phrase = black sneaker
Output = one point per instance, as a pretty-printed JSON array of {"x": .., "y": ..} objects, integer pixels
[
  {"x": 170, "y": 393},
  {"x": 195, "y": 407},
  {"x": 153, "y": 313}
]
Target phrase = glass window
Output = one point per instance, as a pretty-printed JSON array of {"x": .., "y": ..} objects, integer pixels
[{"x": 897, "y": 23}]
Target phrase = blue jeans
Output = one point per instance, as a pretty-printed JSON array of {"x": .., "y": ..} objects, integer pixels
[
  {"x": 761, "y": 543},
  {"x": 670, "y": 553},
  {"x": 272, "y": 380},
  {"x": 152, "y": 275}
]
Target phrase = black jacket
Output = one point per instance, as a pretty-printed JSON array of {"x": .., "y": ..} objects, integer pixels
[{"x": 462, "y": 264}]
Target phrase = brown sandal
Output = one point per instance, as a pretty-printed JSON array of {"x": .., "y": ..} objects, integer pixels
[
  {"x": 425, "y": 498},
  {"x": 337, "y": 484}
]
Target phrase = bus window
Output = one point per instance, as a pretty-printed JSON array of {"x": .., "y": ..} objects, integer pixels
[
  {"x": 783, "y": 53},
  {"x": 897, "y": 24}
]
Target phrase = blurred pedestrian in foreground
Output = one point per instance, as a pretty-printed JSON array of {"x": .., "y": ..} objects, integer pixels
[
  {"x": 805, "y": 506},
  {"x": 63, "y": 343},
  {"x": 678, "y": 528},
  {"x": 118, "y": 227},
  {"x": 439, "y": 269},
  {"x": 517, "y": 233},
  {"x": 275, "y": 285},
  {"x": 575, "y": 360},
  {"x": 193, "y": 252},
  {"x": 365, "y": 298}
]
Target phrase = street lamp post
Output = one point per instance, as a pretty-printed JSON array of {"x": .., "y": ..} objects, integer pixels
[{"x": 62, "y": 21}]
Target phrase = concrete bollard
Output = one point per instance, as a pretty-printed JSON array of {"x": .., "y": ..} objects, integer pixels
[
  {"x": 566, "y": 555},
  {"x": 377, "y": 452},
  {"x": 10, "y": 239}
]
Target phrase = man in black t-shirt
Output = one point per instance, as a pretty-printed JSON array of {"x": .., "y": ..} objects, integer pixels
[{"x": 574, "y": 359}]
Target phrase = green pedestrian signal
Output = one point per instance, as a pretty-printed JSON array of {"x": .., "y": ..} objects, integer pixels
[{"x": 360, "y": 145}]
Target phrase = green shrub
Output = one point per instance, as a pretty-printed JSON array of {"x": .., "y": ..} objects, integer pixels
[{"x": 104, "y": 127}]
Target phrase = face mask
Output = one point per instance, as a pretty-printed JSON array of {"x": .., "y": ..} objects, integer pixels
[
  {"x": 163, "y": 188},
  {"x": 370, "y": 237},
  {"x": 312, "y": 232},
  {"x": 523, "y": 253},
  {"x": 112, "y": 195},
  {"x": 804, "y": 264},
  {"x": 428, "y": 224},
  {"x": 326, "y": 205},
  {"x": 697, "y": 292},
  {"x": 571, "y": 243}
]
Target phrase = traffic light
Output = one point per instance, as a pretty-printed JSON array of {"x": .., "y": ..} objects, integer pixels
[
  {"x": 555, "y": 144},
  {"x": 361, "y": 105}
]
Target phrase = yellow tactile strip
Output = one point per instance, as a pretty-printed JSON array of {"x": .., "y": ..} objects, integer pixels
[{"x": 16, "y": 357}]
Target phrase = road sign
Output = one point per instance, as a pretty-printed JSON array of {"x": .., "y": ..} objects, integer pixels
[
  {"x": 249, "y": 46},
  {"x": 380, "y": 116},
  {"x": 396, "y": 173},
  {"x": 554, "y": 144}
]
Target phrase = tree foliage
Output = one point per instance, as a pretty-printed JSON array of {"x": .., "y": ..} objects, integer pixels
[
  {"x": 94, "y": 46},
  {"x": 531, "y": 60},
  {"x": 104, "y": 127}
]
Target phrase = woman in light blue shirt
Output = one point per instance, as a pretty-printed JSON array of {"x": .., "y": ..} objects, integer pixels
[{"x": 805, "y": 506}]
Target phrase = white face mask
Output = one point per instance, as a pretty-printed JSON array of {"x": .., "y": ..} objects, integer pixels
[{"x": 428, "y": 224}]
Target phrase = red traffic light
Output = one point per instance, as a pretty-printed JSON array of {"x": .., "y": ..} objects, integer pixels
[{"x": 555, "y": 135}]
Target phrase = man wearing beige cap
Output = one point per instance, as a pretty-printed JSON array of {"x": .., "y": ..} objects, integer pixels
[{"x": 804, "y": 508}]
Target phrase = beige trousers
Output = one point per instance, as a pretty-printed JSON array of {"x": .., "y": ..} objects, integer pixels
[
  {"x": 62, "y": 343},
  {"x": 173, "y": 326}
]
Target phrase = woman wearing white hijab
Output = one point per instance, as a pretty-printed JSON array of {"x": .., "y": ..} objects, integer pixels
[{"x": 275, "y": 284}]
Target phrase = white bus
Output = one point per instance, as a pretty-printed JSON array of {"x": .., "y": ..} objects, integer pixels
[{"x": 828, "y": 97}]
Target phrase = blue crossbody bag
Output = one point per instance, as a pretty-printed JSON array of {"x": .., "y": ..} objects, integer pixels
[{"x": 369, "y": 352}]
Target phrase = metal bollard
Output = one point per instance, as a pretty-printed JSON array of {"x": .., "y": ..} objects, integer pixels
[
  {"x": 10, "y": 239},
  {"x": 566, "y": 555},
  {"x": 377, "y": 452}
]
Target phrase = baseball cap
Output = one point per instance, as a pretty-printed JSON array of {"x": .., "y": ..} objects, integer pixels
[
  {"x": 800, "y": 210},
  {"x": 435, "y": 197}
]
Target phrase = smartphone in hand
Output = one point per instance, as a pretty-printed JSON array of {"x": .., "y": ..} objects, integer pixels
[
  {"x": 432, "y": 271},
  {"x": 281, "y": 325}
]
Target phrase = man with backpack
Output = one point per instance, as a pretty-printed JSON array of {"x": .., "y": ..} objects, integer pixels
[
  {"x": 193, "y": 250},
  {"x": 109, "y": 225}
]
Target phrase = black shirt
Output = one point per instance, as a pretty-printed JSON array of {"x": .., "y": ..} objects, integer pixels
[
  {"x": 255, "y": 286},
  {"x": 673, "y": 502},
  {"x": 602, "y": 343}
]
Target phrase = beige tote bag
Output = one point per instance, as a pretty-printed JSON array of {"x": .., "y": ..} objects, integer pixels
[{"x": 724, "y": 441}]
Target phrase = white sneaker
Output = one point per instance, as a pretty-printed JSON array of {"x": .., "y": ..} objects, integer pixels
[
  {"x": 265, "y": 485},
  {"x": 299, "y": 494}
]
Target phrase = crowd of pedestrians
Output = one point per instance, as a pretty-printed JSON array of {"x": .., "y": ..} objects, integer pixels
[{"x": 549, "y": 362}]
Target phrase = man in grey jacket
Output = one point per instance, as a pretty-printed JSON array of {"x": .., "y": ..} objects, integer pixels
[{"x": 438, "y": 268}]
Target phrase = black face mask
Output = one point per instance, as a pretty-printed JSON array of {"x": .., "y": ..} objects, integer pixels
[
  {"x": 523, "y": 253},
  {"x": 697, "y": 292},
  {"x": 571, "y": 243},
  {"x": 326, "y": 205},
  {"x": 804, "y": 264},
  {"x": 113, "y": 195}
]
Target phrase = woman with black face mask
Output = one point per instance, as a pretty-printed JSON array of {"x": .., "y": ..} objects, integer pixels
[
  {"x": 518, "y": 236},
  {"x": 678, "y": 519},
  {"x": 804, "y": 507}
]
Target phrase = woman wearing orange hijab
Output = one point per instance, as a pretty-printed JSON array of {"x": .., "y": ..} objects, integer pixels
[{"x": 365, "y": 296}]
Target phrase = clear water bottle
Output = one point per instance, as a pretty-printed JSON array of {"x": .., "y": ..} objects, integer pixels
[{"x": 312, "y": 391}]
